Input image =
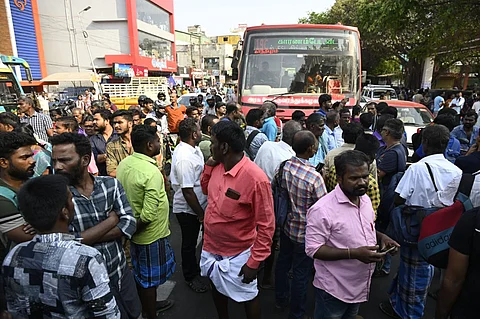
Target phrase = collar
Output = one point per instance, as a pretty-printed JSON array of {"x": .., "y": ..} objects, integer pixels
[
  {"x": 205, "y": 137},
  {"x": 234, "y": 171},
  {"x": 251, "y": 128},
  {"x": 342, "y": 198},
  {"x": 302, "y": 161},
  {"x": 53, "y": 237},
  {"x": 433, "y": 157},
  {"x": 268, "y": 119},
  {"x": 322, "y": 112},
  {"x": 285, "y": 147},
  {"x": 348, "y": 146},
  {"x": 328, "y": 130},
  {"x": 144, "y": 157},
  {"x": 35, "y": 114}
]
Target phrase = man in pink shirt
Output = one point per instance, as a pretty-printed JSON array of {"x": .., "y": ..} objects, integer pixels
[
  {"x": 341, "y": 238},
  {"x": 239, "y": 221}
]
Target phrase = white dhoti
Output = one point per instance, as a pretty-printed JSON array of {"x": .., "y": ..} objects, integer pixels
[{"x": 223, "y": 272}]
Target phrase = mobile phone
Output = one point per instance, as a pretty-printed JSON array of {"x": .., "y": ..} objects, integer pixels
[{"x": 388, "y": 249}]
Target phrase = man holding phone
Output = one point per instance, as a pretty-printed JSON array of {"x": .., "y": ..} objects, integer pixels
[
  {"x": 239, "y": 221},
  {"x": 342, "y": 240}
]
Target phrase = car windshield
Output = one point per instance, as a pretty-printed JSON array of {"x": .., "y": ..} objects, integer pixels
[
  {"x": 389, "y": 94},
  {"x": 414, "y": 116},
  {"x": 185, "y": 100}
]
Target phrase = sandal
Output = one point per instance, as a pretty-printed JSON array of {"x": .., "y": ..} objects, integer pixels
[{"x": 197, "y": 286}]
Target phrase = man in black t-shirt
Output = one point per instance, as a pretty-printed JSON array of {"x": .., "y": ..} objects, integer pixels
[{"x": 460, "y": 291}]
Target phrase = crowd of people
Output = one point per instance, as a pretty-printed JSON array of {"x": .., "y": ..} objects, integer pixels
[{"x": 85, "y": 203}]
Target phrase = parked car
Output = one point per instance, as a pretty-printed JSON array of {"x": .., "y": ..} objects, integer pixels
[
  {"x": 374, "y": 92},
  {"x": 185, "y": 98}
]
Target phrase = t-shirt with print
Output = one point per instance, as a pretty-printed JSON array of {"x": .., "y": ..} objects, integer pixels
[
  {"x": 391, "y": 161},
  {"x": 465, "y": 239},
  {"x": 10, "y": 218}
]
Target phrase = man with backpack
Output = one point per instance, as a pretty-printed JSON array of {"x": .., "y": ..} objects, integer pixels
[
  {"x": 304, "y": 186},
  {"x": 254, "y": 137},
  {"x": 430, "y": 183}
]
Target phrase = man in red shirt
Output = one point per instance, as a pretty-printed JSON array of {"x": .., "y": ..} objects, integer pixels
[
  {"x": 175, "y": 113},
  {"x": 239, "y": 221}
]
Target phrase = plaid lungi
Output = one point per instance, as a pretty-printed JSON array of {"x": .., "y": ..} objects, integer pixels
[
  {"x": 152, "y": 264},
  {"x": 409, "y": 289}
]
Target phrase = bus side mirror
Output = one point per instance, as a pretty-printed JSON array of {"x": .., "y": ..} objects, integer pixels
[
  {"x": 235, "y": 74},
  {"x": 236, "y": 58},
  {"x": 28, "y": 73}
]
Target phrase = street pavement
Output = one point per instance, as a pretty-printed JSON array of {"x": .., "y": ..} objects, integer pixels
[{"x": 190, "y": 305}]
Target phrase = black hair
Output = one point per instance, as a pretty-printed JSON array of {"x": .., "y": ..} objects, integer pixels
[
  {"x": 81, "y": 142},
  {"x": 70, "y": 123},
  {"x": 149, "y": 121},
  {"x": 136, "y": 112},
  {"x": 127, "y": 115},
  {"x": 105, "y": 114},
  {"x": 391, "y": 110},
  {"x": 297, "y": 115},
  {"x": 381, "y": 121},
  {"x": 352, "y": 158},
  {"x": 366, "y": 120},
  {"x": 351, "y": 132},
  {"x": 446, "y": 120},
  {"x": 160, "y": 94},
  {"x": 106, "y": 95},
  {"x": 335, "y": 105},
  {"x": 8, "y": 118},
  {"x": 108, "y": 100},
  {"x": 395, "y": 127},
  {"x": 25, "y": 128},
  {"x": 98, "y": 105},
  {"x": 447, "y": 110},
  {"x": 314, "y": 118},
  {"x": 231, "y": 133},
  {"x": 12, "y": 141},
  {"x": 231, "y": 107},
  {"x": 207, "y": 121},
  {"x": 42, "y": 199},
  {"x": 344, "y": 110},
  {"x": 368, "y": 144},
  {"x": 472, "y": 112},
  {"x": 141, "y": 135},
  {"x": 87, "y": 118},
  {"x": 148, "y": 101},
  {"x": 435, "y": 138},
  {"x": 356, "y": 110},
  {"x": 218, "y": 105},
  {"x": 381, "y": 107},
  {"x": 253, "y": 115},
  {"x": 190, "y": 110},
  {"x": 302, "y": 140},
  {"x": 324, "y": 98},
  {"x": 186, "y": 128}
]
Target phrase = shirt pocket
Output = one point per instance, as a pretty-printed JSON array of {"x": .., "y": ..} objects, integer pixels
[{"x": 232, "y": 209}]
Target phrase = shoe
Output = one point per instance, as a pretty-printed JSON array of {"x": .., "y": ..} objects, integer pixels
[
  {"x": 387, "y": 309},
  {"x": 161, "y": 306},
  {"x": 380, "y": 273},
  {"x": 197, "y": 285}
]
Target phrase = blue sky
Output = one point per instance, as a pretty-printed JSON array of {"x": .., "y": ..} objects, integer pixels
[{"x": 217, "y": 17}]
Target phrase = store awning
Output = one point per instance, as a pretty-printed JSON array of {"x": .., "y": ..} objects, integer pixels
[
  {"x": 38, "y": 83},
  {"x": 72, "y": 77}
]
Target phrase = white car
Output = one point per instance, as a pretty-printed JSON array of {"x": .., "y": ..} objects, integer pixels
[
  {"x": 185, "y": 99},
  {"x": 375, "y": 92}
]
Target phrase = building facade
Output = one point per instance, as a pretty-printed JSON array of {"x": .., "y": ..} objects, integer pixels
[{"x": 135, "y": 34}]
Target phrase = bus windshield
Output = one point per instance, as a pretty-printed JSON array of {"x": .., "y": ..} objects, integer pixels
[
  {"x": 9, "y": 90},
  {"x": 307, "y": 61}
]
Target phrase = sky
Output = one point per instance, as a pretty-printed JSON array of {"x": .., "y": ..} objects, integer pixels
[{"x": 218, "y": 17}]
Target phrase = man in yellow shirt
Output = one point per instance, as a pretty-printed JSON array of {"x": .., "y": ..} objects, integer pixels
[{"x": 152, "y": 256}]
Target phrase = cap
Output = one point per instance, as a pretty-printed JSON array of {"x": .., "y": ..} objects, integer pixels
[{"x": 210, "y": 97}]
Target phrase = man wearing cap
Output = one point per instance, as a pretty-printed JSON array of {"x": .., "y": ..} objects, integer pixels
[{"x": 210, "y": 108}]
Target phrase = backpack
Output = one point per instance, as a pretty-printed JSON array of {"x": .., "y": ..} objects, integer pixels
[
  {"x": 281, "y": 200},
  {"x": 437, "y": 227},
  {"x": 9, "y": 194},
  {"x": 249, "y": 142}
]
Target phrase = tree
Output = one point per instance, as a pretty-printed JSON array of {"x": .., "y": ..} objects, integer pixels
[{"x": 408, "y": 31}]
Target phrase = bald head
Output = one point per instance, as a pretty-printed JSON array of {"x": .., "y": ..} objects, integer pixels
[
  {"x": 305, "y": 144},
  {"x": 289, "y": 130}
]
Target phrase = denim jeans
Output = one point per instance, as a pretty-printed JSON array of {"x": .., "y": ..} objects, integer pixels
[
  {"x": 329, "y": 307},
  {"x": 292, "y": 256}
]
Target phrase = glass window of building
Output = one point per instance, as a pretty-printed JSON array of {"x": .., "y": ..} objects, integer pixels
[
  {"x": 154, "y": 47},
  {"x": 154, "y": 15}
]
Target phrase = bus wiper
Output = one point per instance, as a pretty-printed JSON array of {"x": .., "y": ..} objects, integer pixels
[{"x": 281, "y": 94}]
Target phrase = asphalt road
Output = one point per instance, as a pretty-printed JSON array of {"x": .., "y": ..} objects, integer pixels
[{"x": 190, "y": 305}]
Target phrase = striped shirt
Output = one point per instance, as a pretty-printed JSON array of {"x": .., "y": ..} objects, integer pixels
[
  {"x": 108, "y": 195},
  {"x": 305, "y": 187},
  {"x": 10, "y": 217},
  {"x": 40, "y": 124}
]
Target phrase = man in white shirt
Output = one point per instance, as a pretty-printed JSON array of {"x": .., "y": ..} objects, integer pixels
[
  {"x": 458, "y": 102},
  {"x": 189, "y": 202},
  {"x": 419, "y": 187},
  {"x": 271, "y": 154}
]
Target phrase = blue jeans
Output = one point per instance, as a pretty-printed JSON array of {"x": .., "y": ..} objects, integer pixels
[
  {"x": 292, "y": 255},
  {"x": 329, "y": 307}
]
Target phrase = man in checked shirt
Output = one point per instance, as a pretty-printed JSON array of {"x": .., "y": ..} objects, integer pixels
[
  {"x": 96, "y": 200},
  {"x": 305, "y": 186}
]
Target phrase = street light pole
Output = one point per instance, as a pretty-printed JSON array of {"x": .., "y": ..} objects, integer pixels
[{"x": 85, "y": 36}]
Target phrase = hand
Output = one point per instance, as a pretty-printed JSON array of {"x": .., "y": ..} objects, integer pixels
[
  {"x": 248, "y": 273},
  {"x": 367, "y": 254},
  {"x": 472, "y": 149},
  {"x": 113, "y": 217},
  {"x": 28, "y": 229},
  {"x": 201, "y": 217},
  {"x": 387, "y": 242},
  {"x": 211, "y": 162}
]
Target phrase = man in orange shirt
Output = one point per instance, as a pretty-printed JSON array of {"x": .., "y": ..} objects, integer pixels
[
  {"x": 175, "y": 113},
  {"x": 239, "y": 221}
]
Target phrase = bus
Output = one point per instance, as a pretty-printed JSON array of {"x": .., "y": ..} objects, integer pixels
[
  {"x": 293, "y": 65},
  {"x": 10, "y": 88}
]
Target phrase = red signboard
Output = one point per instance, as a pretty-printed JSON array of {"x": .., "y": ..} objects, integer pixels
[{"x": 293, "y": 101}]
